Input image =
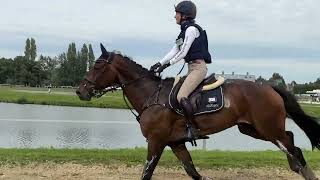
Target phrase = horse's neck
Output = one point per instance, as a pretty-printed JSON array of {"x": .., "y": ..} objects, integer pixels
[
  {"x": 140, "y": 92},
  {"x": 139, "y": 88}
]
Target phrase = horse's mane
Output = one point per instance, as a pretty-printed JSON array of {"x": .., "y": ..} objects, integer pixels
[{"x": 140, "y": 69}]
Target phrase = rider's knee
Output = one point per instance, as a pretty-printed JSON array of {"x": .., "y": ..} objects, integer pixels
[{"x": 180, "y": 96}]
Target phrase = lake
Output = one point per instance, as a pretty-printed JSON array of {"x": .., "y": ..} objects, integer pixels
[{"x": 35, "y": 126}]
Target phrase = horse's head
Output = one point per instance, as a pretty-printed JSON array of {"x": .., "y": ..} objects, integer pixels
[{"x": 101, "y": 76}]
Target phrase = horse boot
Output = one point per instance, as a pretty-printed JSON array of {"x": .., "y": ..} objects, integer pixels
[{"x": 192, "y": 133}]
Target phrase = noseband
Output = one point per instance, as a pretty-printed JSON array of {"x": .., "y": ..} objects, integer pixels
[{"x": 99, "y": 93}]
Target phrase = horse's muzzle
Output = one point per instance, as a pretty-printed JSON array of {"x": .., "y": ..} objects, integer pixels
[{"x": 83, "y": 96}]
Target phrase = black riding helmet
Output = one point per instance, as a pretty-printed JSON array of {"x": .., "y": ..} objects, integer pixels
[{"x": 187, "y": 8}]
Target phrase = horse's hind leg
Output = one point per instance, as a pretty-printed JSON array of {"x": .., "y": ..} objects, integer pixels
[
  {"x": 248, "y": 129},
  {"x": 295, "y": 157},
  {"x": 183, "y": 155},
  {"x": 294, "y": 154}
]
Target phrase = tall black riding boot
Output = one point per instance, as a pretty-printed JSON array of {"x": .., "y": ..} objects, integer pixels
[{"x": 192, "y": 133}]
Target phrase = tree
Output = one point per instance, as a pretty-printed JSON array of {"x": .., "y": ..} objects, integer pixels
[
  {"x": 22, "y": 73},
  {"x": 72, "y": 52},
  {"x": 277, "y": 80},
  {"x": 261, "y": 80},
  {"x": 6, "y": 70},
  {"x": 27, "y": 52},
  {"x": 78, "y": 70},
  {"x": 28, "y": 73},
  {"x": 66, "y": 69},
  {"x": 303, "y": 88},
  {"x": 33, "y": 49},
  {"x": 63, "y": 71},
  {"x": 71, "y": 65},
  {"x": 48, "y": 66},
  {"x": 293, "y": 83},
  {"x": 84, "y": 60},
  {"x": 91, "y": 57}
]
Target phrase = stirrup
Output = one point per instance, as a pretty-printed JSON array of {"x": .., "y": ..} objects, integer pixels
[{"x": 191, "y": 137}]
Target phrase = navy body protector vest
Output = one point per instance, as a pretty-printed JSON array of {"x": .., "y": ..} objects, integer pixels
[{"x": 199, "y": 47}]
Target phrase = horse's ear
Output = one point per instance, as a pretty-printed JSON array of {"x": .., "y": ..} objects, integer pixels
[{"x": 103, "y": 50}]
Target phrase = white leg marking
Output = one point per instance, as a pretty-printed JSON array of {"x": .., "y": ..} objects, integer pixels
[{"x": 282, "y": 147}]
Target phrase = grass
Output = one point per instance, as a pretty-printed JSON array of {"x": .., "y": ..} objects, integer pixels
[
  {"x": 311, "y": 109},
  {"x": 137, "y": 156},
  {"x": 61, "y": 97}
]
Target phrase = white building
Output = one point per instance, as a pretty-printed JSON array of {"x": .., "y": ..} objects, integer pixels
[
  {"x": 314, "y": 92},
  {"x": 247, "y": 76},
  {"x": 315, "y": 95}
]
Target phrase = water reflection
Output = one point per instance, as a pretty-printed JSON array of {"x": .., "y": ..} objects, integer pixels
[
  {"x": 73, "y": 137},
  {"x": 34, "y": 126},
  {"x": 26, "y": 137}
]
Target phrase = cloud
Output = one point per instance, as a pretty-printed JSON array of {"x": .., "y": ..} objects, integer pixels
[
  {"x": 143, "y": 28},
  {"x": 299, "y": 70},
  {"x": 285, "y": 22},
  {"x": 278, "y": 22}
]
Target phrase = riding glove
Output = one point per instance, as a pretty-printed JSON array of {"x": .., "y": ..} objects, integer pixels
[
  {"x": 154, "y": 67},
  {"x": 162, "y": 67}
]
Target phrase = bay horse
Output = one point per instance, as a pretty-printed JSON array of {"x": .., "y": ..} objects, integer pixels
[{"x": 258, "y": 110}]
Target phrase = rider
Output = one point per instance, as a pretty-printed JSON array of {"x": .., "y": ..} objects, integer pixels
[{"x": 192, "y": 46}]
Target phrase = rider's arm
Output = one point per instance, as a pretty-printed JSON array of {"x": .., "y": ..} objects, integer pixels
[
  {"x": 170, "y": 55},
  {"x": 191, "y": 34}
]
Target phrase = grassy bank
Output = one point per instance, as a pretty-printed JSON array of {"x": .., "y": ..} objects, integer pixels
[
  {"x": 312, "y": 109},
  {"x": 67, "y": 97},
  {"x": 61, "y": 97},
  {"x": 202, "y": 159}
]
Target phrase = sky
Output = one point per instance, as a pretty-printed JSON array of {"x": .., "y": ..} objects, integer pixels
[{"x": 256, "y": 36}]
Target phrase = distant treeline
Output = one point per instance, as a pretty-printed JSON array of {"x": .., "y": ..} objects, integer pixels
[
  {"x": 278, "y": 80},
  {"x": 66, "y": 69}
]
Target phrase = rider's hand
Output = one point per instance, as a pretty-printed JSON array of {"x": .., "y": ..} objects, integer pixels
[
  {"x": 154, "y": 67},
  {"x": 162, "y": 67}
]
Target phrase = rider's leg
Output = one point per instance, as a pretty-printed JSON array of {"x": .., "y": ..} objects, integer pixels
[
  {"x": 188, "y": 113},
  {"x": 197, "y": 72}
]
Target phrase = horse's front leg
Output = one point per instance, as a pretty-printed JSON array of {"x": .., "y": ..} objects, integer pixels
[
  {"x": 183, "y": 155},
  {"x": 155, "y": 149}
]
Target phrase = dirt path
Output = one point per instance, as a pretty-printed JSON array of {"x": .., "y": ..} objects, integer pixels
[{"x": 76, "y": 172}]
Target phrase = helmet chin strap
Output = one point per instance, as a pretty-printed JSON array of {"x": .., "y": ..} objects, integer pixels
[{"x": 182, "y": 19}]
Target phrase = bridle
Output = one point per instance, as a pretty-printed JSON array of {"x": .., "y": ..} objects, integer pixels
[
  {"x": 107, "y": 61},
  {"x": 98, "y": 93}
]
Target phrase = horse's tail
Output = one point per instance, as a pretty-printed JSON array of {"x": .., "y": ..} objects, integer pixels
[{"x": 294, "y": 111}]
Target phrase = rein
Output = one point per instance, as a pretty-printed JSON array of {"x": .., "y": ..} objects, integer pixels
[
  {"x": 99, "y": 93},
  {"x": 123, "y": 85}
]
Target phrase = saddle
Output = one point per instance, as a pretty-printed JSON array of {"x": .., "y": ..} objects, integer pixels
[{"x": 206, "y": 98}]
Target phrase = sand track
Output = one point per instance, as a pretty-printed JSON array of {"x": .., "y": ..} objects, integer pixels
[{"x": 76, "y": 172}]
